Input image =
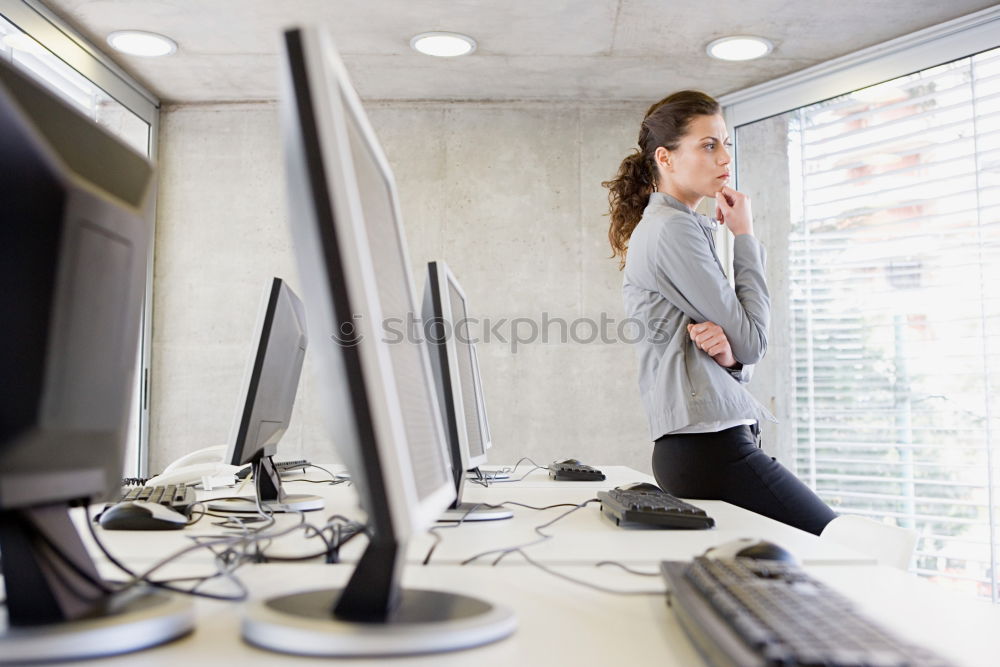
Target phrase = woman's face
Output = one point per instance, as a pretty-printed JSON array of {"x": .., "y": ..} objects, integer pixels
[{"x": 699, "y": 166}]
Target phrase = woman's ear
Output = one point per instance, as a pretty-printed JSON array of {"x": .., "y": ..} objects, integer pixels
[{"x": 662, "y": 157}]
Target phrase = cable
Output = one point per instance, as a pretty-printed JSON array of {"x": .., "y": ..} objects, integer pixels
[
  {"x": 334, "y": 478},
  {"x": 137, "y": 579},
  {"x": 538, "y": 529},
  {"x": 532, "y": 507},
  {"x": 437, "y": 538},
  {"x": 522, "y": 460},
  {"x": 333, "y": 545},
  {"x": 485, "y": 479},
  {"x": 227, "y": 560},
  {"x": 522, "y": 477},
  {"x": 581, "y": 582},
  {"x": 331, "y": 482},
  {"x": 332, "y": 550},
  {"x": 628, "y": 569}
]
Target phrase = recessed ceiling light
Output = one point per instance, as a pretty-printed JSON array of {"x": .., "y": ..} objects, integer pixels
[
  {"x": 739, "y": 47},
  {"x": 22, "y": 42},
  {"x": 443, "y": 44},
  {"x": 141, "y": 43}
]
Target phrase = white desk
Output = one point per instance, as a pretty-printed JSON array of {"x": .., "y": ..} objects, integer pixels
[
  {"x": 614, "y": 476},
  {"x": 596, "y": 628},
  {"x": 584, "y": 537}
]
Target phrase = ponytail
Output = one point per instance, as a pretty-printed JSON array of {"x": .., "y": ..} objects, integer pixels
[{"x": 628, "y": 193}]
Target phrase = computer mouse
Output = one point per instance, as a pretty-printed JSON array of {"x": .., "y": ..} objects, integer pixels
[
  {"x": 752, "y": 548},
  {"x": 571, "y": 462},
  {"x": 641, "y": 486},
  {"x": 140, "y": 515}
]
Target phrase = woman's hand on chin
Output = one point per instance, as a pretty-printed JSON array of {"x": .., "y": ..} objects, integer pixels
[{"x": 732, "y": 208}]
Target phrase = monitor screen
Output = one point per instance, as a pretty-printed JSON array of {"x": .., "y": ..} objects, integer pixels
[
  {"x": 407, "y": 358},
  {"x": 74, "y": 242},
  {"x": 264, "y": 411},
  {"x": 377, "y": 392},
  {"x": 452, "y": 353},
  {"x": 271, "y": 379},
  {"x": 465, "y": 347},
  {"x": 481, "y": 398}
]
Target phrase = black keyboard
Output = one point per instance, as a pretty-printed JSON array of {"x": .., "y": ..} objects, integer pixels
[
  {"x": 574, "y": 472},
  {"x": 652, "y": 508},
  {"x": 757, "y": 612},
  {"x": 176, "y": 496}
]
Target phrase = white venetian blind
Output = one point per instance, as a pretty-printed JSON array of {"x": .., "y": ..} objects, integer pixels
[{"x": 895, "y": 297}]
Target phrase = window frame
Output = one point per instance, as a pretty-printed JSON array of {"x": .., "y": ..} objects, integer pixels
[{"x": 46, "y": 28}]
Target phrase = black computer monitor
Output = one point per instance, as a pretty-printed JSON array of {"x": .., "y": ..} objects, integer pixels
[
  {"x": 74, "y": 238},
  {"x": 378, "y": 394},
  {"x": 270, "y": 382},
  {"x": 453, "y": 358}
]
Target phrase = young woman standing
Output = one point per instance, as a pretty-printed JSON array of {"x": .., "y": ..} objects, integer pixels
[{"x": 702, "y": 335}]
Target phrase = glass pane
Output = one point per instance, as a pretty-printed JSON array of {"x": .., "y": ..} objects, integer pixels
[
  {"x": 880, "y": 210},
  {"x": 20, "y": 49}
]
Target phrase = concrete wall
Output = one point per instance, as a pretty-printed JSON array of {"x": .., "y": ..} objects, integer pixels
[{"x": 508, "y": 194}]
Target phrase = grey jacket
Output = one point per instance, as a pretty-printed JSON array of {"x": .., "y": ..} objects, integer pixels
[{"x": 673, "y": 277}]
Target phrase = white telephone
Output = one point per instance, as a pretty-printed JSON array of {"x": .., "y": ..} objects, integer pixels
[{"x": 204, "y": 466}]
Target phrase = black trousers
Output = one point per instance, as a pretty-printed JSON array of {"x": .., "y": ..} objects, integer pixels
[{"x": 729, "y": 466}]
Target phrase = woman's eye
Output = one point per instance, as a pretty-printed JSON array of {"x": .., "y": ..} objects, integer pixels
[{"x": 710, "y": 146}]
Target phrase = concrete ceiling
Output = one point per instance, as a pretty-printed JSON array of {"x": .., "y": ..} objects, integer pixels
[{"x": 528, "y": 49}]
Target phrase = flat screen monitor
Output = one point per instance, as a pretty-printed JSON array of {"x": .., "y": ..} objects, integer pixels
[
  {"x": 377, "y": 393},
  {"x": 481, "y": 399},
  {"x": 452, "y": 352},
  {"x": 264, "y": 411},
  {"x": 73, "y": 254}
]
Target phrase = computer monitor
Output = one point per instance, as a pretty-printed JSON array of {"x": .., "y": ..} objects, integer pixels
[
  {"x": 481, "y": 402},
  {"x": 452, "y": 353},
  {"x": 73, "y": 246},
  {"x": 377, "y": 393},
  {"x": 270, "y": 382}
]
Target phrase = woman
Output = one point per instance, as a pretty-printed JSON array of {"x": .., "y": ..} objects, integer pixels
[{"x": 702, "y": 335}]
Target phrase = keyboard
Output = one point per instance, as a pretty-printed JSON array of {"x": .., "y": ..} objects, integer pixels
[
  {"x": 176, "y": 496},
  {"x": 757, "y": 612},
  {"x": 574, "y": 472},
  {"x": 652, "y": 508}
]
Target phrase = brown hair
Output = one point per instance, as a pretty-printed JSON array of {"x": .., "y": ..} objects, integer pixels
[{"x": 664, "y": 125}]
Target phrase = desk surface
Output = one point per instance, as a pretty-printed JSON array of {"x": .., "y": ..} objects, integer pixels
[
  {"x": 597, "y": 628},
  {"x": 583, "y": 537},
  {"x": 524, "y": 477}
]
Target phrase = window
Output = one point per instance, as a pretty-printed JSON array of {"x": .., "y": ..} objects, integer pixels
[
  {"x": 25, "y": 52},
  {"x": 36, "y": 42},
  {"x": 884, "y": 281}
]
